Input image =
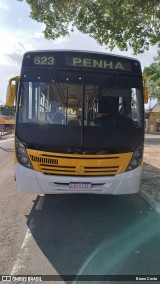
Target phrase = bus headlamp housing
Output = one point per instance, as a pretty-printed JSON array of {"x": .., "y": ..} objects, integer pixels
[
  {"x": 20, "y": 150},
  {"x": 21, "y": 155},
  {"x": 136, "y": 159},
  {"x": 23, "y": 159}
]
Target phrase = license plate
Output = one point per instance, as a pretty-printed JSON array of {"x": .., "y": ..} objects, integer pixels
[{"x": 79, "y": 185}]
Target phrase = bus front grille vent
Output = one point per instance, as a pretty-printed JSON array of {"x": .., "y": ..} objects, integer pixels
[{"x": 54, "y": 165}]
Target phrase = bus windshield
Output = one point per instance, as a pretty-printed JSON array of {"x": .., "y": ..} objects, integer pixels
[{"x": 80, "y": 99}]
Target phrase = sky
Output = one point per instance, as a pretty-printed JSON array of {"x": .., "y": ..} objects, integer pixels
[{"x": 19, "y": 33}]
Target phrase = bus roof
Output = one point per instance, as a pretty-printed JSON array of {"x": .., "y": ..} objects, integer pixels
[{"x": 81, "y": 52}]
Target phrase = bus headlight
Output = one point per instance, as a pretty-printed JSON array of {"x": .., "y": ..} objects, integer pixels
[
  {"x": 138, "y": 153},
  {"x": 20, "y": 150},
  {"x": 22, "y": 156},
  {"x": 23, "y": 159},
  {"x": 136, "y": 159},
  {"x": 134, "y": 163}
]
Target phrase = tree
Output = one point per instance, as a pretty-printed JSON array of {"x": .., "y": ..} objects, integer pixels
[
  {"x": 7, "y": 111},
  {"x": 121, "y": 23},
  {"x": 153, "y": 77}
]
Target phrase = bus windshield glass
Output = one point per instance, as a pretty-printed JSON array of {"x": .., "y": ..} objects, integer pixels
[{"x": 80, "y": 99}]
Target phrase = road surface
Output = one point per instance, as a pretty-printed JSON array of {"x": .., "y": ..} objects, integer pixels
[{"x": 74, "y": 234}]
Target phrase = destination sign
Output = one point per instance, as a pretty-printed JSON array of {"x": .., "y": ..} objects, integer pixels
[
  {"x": 102, "y": 63},
  {"x": 89, "y": 61}
]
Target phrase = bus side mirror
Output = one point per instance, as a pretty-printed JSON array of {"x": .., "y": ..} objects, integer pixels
[
  {"x": 11, "y": 91},
  {"x": 145, "y": 93},
  {"x": 145, "y": 89},
  {"x": 11, "y": 94}
]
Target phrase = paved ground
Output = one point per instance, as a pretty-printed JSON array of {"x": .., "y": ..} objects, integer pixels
[{"x": 79, "y": 234}]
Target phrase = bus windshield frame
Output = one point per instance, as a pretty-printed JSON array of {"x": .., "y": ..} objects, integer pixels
[{"x": 87, "y": 121}]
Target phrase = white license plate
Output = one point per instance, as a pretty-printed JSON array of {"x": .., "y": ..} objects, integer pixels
[{"x": 79, "y": 185}]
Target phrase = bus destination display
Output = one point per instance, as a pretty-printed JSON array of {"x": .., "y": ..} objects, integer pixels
[{"x": 81, "y": 61}]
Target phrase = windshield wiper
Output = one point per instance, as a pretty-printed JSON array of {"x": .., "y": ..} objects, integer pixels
[
  {"x": 57, "y": 84},
  {"x": 108, "y": 84}
]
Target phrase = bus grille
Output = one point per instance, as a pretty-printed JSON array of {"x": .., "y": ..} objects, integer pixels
[{"x": 79, "y": 165}]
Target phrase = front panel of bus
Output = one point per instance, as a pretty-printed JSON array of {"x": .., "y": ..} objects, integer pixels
[{"x": 80, "y": 115}]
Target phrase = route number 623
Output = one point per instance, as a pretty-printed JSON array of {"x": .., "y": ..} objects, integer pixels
[{"x": 44, "y": 60}]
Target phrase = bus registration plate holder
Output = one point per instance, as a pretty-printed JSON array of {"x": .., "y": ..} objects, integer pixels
[{"x": 80, "y": 185}]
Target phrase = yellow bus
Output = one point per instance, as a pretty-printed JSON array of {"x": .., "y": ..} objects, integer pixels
[{"x": 79, "y": 123}]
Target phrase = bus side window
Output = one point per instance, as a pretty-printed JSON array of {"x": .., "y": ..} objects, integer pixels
[
  {"x": 22, "y": 102},
  {"x": 22, "y": 99}
]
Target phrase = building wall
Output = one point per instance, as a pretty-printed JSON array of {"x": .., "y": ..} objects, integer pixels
[{"x": 154, "y": 122}]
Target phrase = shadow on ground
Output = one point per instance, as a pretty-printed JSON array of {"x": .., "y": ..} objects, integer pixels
[{"x": 93, "y": 234}]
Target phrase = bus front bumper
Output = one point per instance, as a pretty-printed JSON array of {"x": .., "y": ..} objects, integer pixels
[{"x": 30, "y": 181}]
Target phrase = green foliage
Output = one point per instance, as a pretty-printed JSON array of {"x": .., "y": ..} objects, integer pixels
[
  {"x": 7, "y": 111},
  {"x": 122, "y": 23},
  {"x": 153, "y": 77}
]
